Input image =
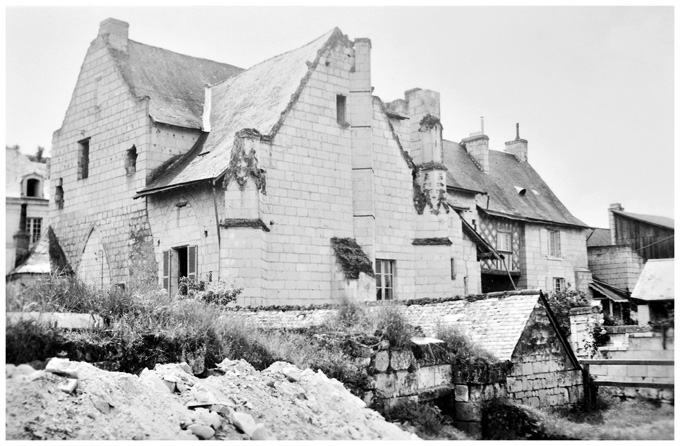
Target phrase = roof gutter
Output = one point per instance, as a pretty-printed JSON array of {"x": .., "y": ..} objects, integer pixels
[
  {"x": 529, "y": 219},
  {"x": 145, "y": 193}
]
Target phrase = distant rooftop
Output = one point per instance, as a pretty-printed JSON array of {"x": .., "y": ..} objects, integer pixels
[{"x": 658, "y": 220}]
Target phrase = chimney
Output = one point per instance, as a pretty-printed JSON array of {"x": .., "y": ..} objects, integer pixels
[
  {"x": 21, "y": 238},
  {"x": 612, "y": 221},
  {"x": 115, "y": 32},
  {"x": 424, "y": 112},
  {"x": 477, "y": 146},
  {"x": 518, "y": 147}
]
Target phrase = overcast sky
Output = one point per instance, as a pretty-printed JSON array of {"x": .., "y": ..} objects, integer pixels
[{"x": 592, "y": 87}]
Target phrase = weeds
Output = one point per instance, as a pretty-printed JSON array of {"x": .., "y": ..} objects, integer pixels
[
  {"x": 462, "y": 347},
  {"x": 392, "y": 325}
]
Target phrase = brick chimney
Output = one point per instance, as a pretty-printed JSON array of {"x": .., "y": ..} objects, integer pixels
[
  {"x": 612, "y": 221},
  {"x": 518, "y": 147},
  {"x": 477, "y": 146},
  {"x": 115, "y": 32},
  {"x": 21, "y": 238}
]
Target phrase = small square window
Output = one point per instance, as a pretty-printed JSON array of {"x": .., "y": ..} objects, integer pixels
[{"x": 384, "y": 279}]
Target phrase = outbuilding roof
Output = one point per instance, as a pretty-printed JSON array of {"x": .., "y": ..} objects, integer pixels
[
  {"x": 657, "y": 281},
  {"x": 256, "y": 99},
  {"x": 657, "y": 220},
  {"x": 175, "y": 83},
  {"x": 504, "y": 183},
  {"x": 599, "y": 237},
  {"x": 46, "y": 257}
]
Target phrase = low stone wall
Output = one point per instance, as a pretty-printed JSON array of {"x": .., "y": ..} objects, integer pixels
[{"x": 639, "y": 342}]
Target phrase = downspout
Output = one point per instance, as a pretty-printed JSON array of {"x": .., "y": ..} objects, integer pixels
[{"x": 217, "y": 225}]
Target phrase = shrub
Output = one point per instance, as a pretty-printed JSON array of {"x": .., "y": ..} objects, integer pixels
[
  {"x": 563, "y": 301},
  {"x": 392, "y": 325},
  {"x": 502, "y": 420},
  {"x": 219, "y": 292},
  {"x": 28, "y": 340},
  {"x": 462, "y": 347},
  {"x": 426, "y": 418}
]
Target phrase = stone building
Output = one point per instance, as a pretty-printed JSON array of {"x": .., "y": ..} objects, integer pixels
[
  {"x": 289, "y": 178},
  {"x": 617, "y": 256},
  {"x": 26, "y": 204}
]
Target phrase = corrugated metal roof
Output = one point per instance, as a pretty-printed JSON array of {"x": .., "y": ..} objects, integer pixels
[
  {"x": 17, "y": 166},
  {"x": 657, "y": 281},
  {"x": 599, "y": 237},
  {"x": 255, "y": 99},
  {"x": 607, "y": 292},
  {"x": 174, "y": 82},
  {"x": 658, "y": 220},
  {"x": 46, "y": 257},
  {"x": 506, "y": 173}
]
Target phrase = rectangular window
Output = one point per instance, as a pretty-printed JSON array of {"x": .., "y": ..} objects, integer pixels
[
  {"x": 131, "y": 161},
  {"x": 554, "y": 248},
  {"x": 384, "y": 279},
  {"x": 340, "y": 104},
  {"x": 34, "y": 226},
  {"x": 504, "y": 242},
  {"x": 558, "y": 284},
  {"x": 83, "y": 158},
  {"x": 453, "y": 269}
]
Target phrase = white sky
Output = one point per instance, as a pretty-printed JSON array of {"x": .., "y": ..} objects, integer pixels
[{"x": 592, "y": 87}]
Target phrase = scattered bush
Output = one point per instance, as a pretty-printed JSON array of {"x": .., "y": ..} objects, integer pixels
[
  {"x": 462, "y": 347},
  {"x": 392, "y": 325},
  {"x": 426, "y": 418},
  {"x": 219, "y": 292},
  {"x": 561, "y": 302},
  {"x": 29, "y": 340},
  {"x": 503, "y": 420}
]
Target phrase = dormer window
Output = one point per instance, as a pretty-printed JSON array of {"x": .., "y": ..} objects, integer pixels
[{"x": 32, "y": 186}]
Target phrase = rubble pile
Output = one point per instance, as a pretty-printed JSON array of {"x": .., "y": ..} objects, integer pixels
[{"x": 77, "y": 401}]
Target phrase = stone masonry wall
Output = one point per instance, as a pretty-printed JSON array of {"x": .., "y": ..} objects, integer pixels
[
  {"x": 103, "y": 110},
  {"x": 618, "y": 266},
  {"x": 540, "y": 268}
]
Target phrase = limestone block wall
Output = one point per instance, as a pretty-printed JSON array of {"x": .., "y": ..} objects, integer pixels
[
  {"x": 618, "y": 266},
  {"x": 103, "y": 110},
  {"x": 540, "y": 268},
  {"x": 188, "y": 217}
]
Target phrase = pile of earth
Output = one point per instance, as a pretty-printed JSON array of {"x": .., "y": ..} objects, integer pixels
[{"x": 77, "y": 401}]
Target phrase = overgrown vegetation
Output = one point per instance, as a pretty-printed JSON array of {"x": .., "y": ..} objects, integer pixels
[
  {"x": 563, "y": 301},
  {"x": 426, "y": 418},
  {"x": 462, "y": 347}
]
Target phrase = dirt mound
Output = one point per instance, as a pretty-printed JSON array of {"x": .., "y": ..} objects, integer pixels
[{"x": 169, "y": 402}]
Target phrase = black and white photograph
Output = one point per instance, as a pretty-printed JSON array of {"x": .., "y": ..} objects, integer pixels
[{"x": 339, "y": 221}]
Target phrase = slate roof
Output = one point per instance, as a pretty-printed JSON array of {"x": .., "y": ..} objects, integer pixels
[
  {"x": 174, "y": 82},
  {"x": 506, "y": 175},
  {"x": 494, "y": 324},
  {"x": 658, "y": 220},
  {"x": 257, "y": 98},
  {"x": 46, "y": 257},
  {"x": 17, "y": 166},
  {"x": 657, "y": 281},
  {"x": 599, "y": 237}
]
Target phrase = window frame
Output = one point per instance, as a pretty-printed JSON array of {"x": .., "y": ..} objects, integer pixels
[
  {"x": 554, "y": 243},
  {"x": 83, "y": 159},
  {"x": 31, "y": 224},
  {"x": 559, "y": 284},
  {"x": 341, "y": 109},
  {"x": 383, "y": 292}
]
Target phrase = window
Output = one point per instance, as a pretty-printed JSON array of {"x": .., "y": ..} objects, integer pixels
[
  {"x": 59, "y": 194},
  {"x": 83, "y": 158},
  {"x": 33, "y": 188},
  {"x": 340, "y": 104},
  {"x": 131, "y": 161},
  {"x": 453, "y": 269},
  {"x": 554, "y": 243},
  {"x": 504, "y": 242},
  {"x": 384, "y": 279},
  {"x": 33, "y": 226},
  {"x": 558, "y": 284}
]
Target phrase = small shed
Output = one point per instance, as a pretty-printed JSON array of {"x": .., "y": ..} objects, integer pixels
[{"x": 654, "y": 291}]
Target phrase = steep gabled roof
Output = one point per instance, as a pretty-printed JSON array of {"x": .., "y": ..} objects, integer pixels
[
  {"x": 657, "y": 220},
  {"x": 46, "y": 257},
  {"x": 506, "y": 178},
  {"x": 258, "y": 99},
  {"x": 174, "y": 82},
  {"x": 17, "y": 166},
  {"x": 599, "y": 237}
]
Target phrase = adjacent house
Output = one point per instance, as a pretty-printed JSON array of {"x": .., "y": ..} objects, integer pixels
[
  {"x": 617, "y": 256},
  {"x": 293, "y": 181},
  {"x": 26, "y": 203}
]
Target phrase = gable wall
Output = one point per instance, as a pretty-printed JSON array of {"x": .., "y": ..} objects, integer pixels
[
  {"x": 618, "y": 266},
  {"x": 102, "y": 109}
]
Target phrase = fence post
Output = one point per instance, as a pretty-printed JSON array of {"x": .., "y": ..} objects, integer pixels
[{"x": 587, "y": 389}]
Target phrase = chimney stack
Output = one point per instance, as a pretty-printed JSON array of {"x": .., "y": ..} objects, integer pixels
[
  {"x": 518, "y": 147},
  {"x": 115, "y": 32},
  {"x": 477, "y": 146},
  {"x": 612, "y": 221},
  {"x": 21, "y": 238}
]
